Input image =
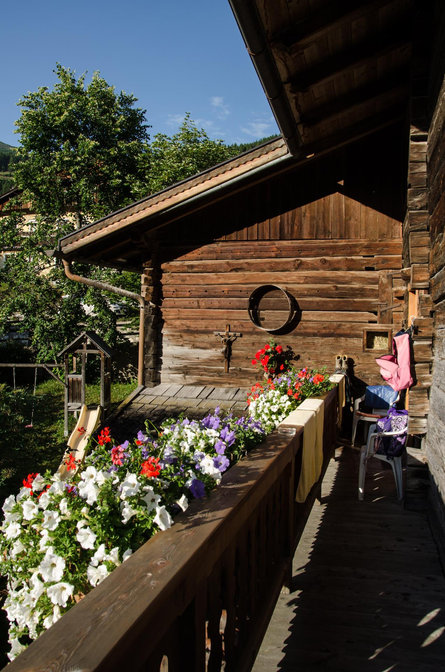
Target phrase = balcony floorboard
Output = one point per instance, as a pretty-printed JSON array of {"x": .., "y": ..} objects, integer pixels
[{"x": 368, "y": 590}]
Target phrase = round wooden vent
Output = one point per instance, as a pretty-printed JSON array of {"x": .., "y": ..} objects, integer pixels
[{"x": 273, "y": 309}]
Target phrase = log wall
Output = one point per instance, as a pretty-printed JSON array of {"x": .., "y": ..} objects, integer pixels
[
  {"x": 333, "y": 244},
  {"x": 436, "y": 180}
]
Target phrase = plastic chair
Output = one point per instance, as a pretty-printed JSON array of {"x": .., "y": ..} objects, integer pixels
[
  {"x": 369, "y": 450},
  {"x": 378, "y": 398}
]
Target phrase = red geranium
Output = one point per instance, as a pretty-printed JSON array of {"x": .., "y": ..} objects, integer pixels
[
  {"x": 28, "y": 481},
  {"x": 104, "y": 436},
  {"x": 70, "y": 463},
  {"x": 318, "y": 378},
  {"x": 151, "y": 467}
]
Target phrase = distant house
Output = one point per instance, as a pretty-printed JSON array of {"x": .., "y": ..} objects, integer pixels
[
  {"x": 7, "y": 205},
  {"x": 330, "y": 239}
]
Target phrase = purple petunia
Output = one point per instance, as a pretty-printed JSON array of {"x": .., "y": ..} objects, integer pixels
[
  {"x": 220, "y": 447},
  {"x": 168, "y": 455},
  {"x": 197, "y": 488},
  {"x": 221, "y": 462},
  {"x": 228, "y": 435},
  {"x": 211, "y": 422}
]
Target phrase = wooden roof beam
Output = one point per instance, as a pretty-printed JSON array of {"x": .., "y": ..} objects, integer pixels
[
  {"x": 397, "y": 83},
  {"x": 347, "y": 61},
  {"x": 371, "y": 124},
  {"x": 333, "y": 16}
]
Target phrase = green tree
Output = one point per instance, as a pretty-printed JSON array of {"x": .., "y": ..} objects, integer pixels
[
  {"x": 84, "y": 153},
  {"x": 186, "y": 153},
  {"x": 83, "y": 148}
]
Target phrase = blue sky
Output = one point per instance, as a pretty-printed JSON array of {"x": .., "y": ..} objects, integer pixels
[{"x": 175, "y": 56}]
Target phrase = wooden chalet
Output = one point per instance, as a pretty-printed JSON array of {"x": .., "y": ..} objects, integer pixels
[{"x": 329, "y": 239}]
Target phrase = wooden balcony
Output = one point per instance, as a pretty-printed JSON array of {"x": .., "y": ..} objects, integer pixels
[{"x": 199, "y": 595}]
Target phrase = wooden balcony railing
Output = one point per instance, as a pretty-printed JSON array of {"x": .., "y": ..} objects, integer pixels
[{"x": 199, "y": 595}]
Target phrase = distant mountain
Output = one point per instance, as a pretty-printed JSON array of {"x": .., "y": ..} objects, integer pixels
[{"x": 5, "y": 147}]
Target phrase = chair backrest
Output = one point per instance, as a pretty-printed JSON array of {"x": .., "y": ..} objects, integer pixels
[{"x": 380, "y": 396}]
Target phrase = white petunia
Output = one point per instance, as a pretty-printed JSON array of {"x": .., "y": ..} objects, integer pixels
[
  {"x": 52, "y": 566},
  {"x": 127, "y": 554},
  {"x": 53, "y": 618},
  {"x": 38, "y": 587},
  {"x": 88, "y": 490},
  {"x": 130, "y": 486},
  {"x": 63, "y": 507},
  {"x": 59, "y": 593},
  {"x": 183, "y": 503},
  {"x": 162, "y": 518},
  {"x": 12, "y": 531},
  {"x": 44, "y": 539},
  {"x": 44, "y": 499},
  {"x": 17, "y": 548},
  {"x": 86, "y": 537},
  {"x": 51, "y": 520},
  {"x": 57, "y": 486},
  {"x": 127, "y": 512},
  {"x": 23, "y": 492},
  {"x": 96, "y": 574},
  {"x": 30, "y": 510},
  {"x": 16, "y": 648},
  {"x": 11, "y": 517},
  {"x": 207, "y": 467},
  {"x": 38, "y": 483},
  {"x": 151, "y": 498},
  {"x": 99, "y": 556},
  {"x": 8, "y": 504},
  {"x": 113, "y": 556}
]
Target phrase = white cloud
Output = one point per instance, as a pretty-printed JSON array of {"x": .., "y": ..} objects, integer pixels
[
  {"x": 175, "y": 120},
  {"x": 259, "y": 128},
  {"x": 220, "y": 106}
]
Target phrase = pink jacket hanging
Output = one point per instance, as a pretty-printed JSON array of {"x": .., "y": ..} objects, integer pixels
[{"x": 396, "y": 368}]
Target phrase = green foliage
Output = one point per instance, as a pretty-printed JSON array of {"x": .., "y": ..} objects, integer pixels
[
  {"x": 83, "y": 153},
  {"x": 83, "y": 148},
  {"x": 187, "y": 152},
  {"x": 7, "y": 155},
  {"x": 24, "y": 450}
]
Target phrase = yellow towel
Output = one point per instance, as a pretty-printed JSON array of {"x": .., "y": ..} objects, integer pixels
[
  {"x": 339, "y": 378},
  {"x": 310, "y": 415}
]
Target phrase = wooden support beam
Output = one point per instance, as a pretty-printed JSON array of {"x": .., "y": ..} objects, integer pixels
[
  {"x": 371, "y": 94},
  {"x": 333, "y": 16},
  {"x": 357, "y": 58}
]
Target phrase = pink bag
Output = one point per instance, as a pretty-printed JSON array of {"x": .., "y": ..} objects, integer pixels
[{"x": 396, "y": 368}]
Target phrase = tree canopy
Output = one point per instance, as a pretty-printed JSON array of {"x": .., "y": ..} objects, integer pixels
[
  {"x": 83, "y": 148},
  {"x": 85, "y": 152},
  {"x": 186, "y": 153}
]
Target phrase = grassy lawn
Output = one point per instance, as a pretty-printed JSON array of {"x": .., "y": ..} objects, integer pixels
[{"x": 34, "y": 449}]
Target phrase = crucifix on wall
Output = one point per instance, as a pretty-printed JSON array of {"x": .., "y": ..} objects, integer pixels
[{"x": 227, "y": 338}]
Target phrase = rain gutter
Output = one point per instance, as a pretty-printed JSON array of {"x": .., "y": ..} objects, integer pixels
[
  {"x": 255, "y": 39},
  {"x": 105, "y": 286}
]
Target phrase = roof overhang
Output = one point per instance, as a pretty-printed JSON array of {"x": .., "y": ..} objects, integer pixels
[
  {"x": 123, "y": 238},
  {"x": 330, "y": 70}
]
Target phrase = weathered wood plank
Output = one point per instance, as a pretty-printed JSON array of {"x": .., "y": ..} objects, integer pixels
[
  {"x": 364, "y": 278},
  {"x": 284, "y": 248},
  {"x": 316, "y": 263}
]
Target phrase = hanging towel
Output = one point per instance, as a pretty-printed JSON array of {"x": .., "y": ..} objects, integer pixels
[
  {"x": 396, "y": 368},
  {"x": 310, "y": 415}
]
